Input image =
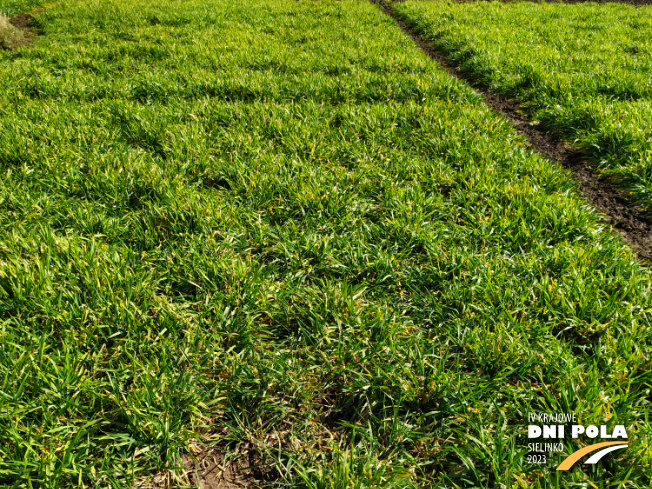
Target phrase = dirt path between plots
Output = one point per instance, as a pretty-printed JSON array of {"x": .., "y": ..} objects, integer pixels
[{"x": 633, "y": 225}]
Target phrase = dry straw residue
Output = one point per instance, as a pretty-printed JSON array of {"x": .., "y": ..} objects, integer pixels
[{"x": 10, "y": 36}]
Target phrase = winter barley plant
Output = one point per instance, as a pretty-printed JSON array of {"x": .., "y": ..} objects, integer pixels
[
  {"x": 582, "y": 71},
  {"x": 276, "y": 228}
]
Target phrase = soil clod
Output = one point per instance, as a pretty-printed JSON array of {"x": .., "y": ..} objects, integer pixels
[
  {"x": 23, "y": 21},
  {"x": 209, "y": 468}
]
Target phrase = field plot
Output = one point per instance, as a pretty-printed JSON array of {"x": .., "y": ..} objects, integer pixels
[
  {"x": 276, "y": 230},
  {"x": 583, "y": 71}
]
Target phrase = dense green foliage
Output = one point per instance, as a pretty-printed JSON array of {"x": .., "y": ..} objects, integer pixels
[
  {"x": 278, "y": 222},
  {"x": 13, "y": 7},
  {"x": 583, "y": 71}
]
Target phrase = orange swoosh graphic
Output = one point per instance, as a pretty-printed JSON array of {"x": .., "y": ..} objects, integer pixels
[{"x": 574, "y": 457}]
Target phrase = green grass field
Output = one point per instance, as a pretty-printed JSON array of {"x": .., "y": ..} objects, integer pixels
[
  {"x": 583, "y": 71},
  {"x": 14, "y": 7},
  {"x": 278, "y": 223}
]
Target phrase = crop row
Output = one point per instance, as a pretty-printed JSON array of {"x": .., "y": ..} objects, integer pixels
[{"x": 582, "y": 71}]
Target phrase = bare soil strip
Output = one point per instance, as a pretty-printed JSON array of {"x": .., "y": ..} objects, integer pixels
[{"x": 634, "y": 226}]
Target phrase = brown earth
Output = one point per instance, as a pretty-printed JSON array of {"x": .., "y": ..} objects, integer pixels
[
  {"x": 633, "y": 225},
  {"x": 23, "y": 21},
  {"x": 209, "y": 468}
]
